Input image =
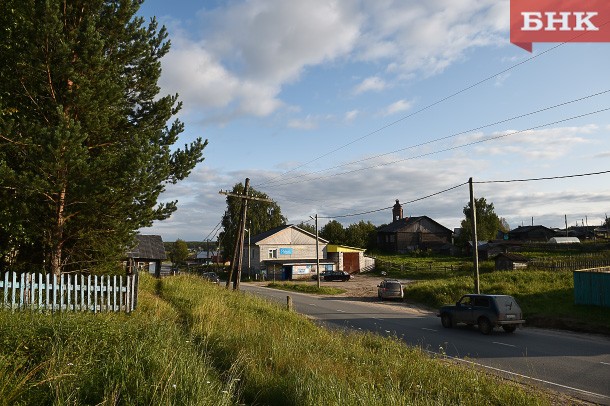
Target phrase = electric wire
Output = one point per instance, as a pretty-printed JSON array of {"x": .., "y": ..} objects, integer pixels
[
  {"x": 272, "y": 182},
  {"x": 386, "y": 208},
  {"x": 445, "y": 149},
  {"x": 543, "y": 178},
  {"x": 427, "y": 107}
]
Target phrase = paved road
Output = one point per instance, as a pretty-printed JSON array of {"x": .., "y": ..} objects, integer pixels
[{"x": 576, "y": 364}]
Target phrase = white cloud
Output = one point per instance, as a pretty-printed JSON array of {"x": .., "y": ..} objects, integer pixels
[
  {"x": 351, "y": 115},
  {"x": 249, "y": 50},
  {"x": 429, "y": 35},
  {"x": 551, "y": 143},
  {"x": 308, "y": 123},
  {"x": 397, "y": 107},
  {"x": 372, "y": 84}
]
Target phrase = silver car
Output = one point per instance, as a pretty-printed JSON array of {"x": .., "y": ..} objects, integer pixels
[{"x": 390, "y": 289}]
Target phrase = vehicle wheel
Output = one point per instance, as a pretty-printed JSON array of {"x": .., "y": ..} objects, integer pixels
[
  {"x": 510, "y": 328},
  {"x": 446, "y": 320},
  {"x": 485, "y": 326}
]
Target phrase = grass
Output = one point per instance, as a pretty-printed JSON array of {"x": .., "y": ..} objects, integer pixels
[
  {"x": 546, "y": 297},
  {"x": 194, "y": 343},
  {"x": 307, "y": 288}
]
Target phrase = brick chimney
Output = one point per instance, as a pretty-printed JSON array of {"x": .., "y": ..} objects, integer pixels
[{"x": 397, "y": 211}]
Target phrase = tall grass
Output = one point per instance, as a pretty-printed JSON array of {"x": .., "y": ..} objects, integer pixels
[
  {"x": 194, "y": 343},
  {"x": 281, "y": 358},
  {"x": 72, "y": 358}
]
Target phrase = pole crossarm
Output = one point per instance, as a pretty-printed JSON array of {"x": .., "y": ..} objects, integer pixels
[{"x": 261, "y": 199}]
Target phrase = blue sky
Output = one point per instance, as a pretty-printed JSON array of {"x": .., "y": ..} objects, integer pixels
[{"x": 341, "y": 107}]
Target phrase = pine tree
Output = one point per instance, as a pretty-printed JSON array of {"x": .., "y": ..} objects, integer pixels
[{"x": 85, "y": 145}]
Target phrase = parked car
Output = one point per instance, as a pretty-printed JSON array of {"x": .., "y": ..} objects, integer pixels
[
  {"x": 322, "y": 274},
  {"x": 211, "y": 276},
  {"x": 486, "y": 311},
  {"x": 390, "y": 289},
  {"x": 337, "y": 276}
]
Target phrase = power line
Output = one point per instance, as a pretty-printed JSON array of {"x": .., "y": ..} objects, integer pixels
[
  {"x": 446, "y": 149},
  {"x": 272, "y": 182},
  {"x": 386, "y": 208},
  {"x": 465, "y": 183},
  {"x": 427, "y": 107},
  {"x": 544, "y": 178}
]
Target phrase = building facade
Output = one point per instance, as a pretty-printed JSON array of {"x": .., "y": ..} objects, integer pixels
[
  {"x": 406, "y": 234},
  {"x": 285, "y": 253}
]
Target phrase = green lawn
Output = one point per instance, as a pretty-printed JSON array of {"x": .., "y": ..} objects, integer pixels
[{"x": 546, "y": 297}]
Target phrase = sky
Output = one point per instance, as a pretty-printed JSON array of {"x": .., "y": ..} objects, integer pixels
[{"x": 338, "y": 108}]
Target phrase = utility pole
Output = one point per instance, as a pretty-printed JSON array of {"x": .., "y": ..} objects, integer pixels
[
  {"x": 239, "y": 241},
  {"x": 317, "y": 252},
  {"x": 475, "y": 242}
]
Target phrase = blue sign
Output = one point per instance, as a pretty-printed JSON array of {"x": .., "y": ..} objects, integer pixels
[{"x": 285, "y": 251}]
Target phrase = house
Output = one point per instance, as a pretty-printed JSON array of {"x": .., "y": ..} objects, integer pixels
[
  {"x": 285, "y": 252},
  {"x": 510, "y": 261},
  {"x": 406, "y": 234},
  {"x": 207, "y": 257},
  {"x": 349, "y": 259},
  {"x": 531, "y": 233},
  {"x": 147, "y": 253}
]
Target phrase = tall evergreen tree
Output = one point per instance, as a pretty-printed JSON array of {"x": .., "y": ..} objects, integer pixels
[
  {"x": 85, "y": 145},
  {"x": 260, "y": 216}
]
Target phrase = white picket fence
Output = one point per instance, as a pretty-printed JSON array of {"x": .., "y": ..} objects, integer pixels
[{"x": 68, "y": 292}]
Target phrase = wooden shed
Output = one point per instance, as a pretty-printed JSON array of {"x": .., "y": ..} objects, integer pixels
[
  {"x": 509, "y": 262},
  {"x": 148, "y": 249}
]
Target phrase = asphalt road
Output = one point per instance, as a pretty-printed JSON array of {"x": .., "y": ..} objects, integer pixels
[{"x": 575, "y": 364}]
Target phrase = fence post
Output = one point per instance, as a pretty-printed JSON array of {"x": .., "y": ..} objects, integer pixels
[{"x": 13, "y": 304}]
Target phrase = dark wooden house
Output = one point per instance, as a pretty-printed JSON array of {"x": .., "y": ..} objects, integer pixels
[
  {"x": 407, "y": 234},
  {"x": 531, "y": 233},
  {"x": 148, "y": 250}
]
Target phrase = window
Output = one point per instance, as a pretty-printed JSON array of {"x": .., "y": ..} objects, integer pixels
[
  {"x": 481, "y": 302},
  {"x": 272, "y": 253},
  {"x": 328, "y": 268}
]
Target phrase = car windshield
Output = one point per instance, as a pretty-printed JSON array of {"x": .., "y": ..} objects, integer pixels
[{"x": 392, "y": 285}]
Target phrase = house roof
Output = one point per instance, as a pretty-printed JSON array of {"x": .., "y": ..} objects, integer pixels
[
  {"x": 343, "y": 248},
  {"x": 527, "y": 229},
  {"x": 148, "y": 247},
  {"x": 266, "y": 234},
  {"x": 398, "y": 225}
]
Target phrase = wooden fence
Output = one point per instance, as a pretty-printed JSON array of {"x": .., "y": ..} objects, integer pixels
[
  {"x": 568, "y": 264},
  {"x": 68, "y": 292}
]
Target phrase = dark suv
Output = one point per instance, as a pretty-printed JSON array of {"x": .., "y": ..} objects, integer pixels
[{"x": 486, "y": 311}]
